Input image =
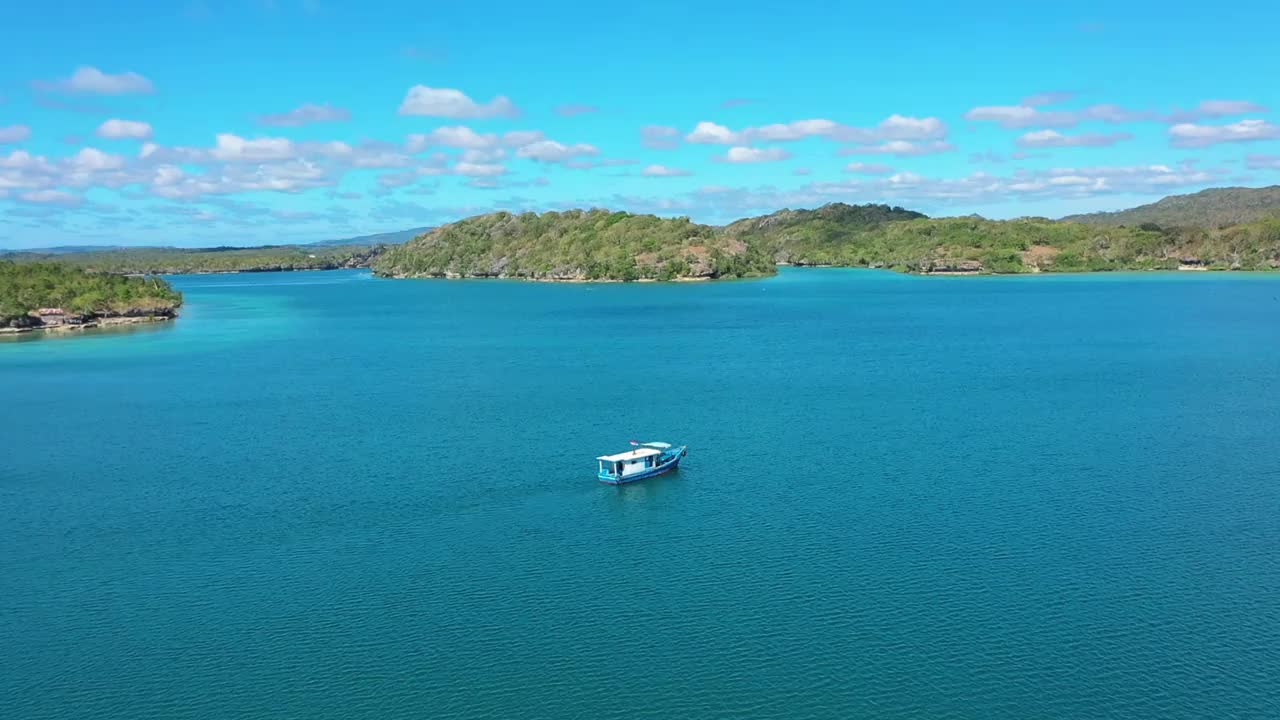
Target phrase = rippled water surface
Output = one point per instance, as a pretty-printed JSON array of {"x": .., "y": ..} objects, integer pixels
[{"x": 320, "y": 495}]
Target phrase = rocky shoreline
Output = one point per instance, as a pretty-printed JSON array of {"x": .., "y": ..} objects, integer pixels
[{"x": 76, "y": 323}]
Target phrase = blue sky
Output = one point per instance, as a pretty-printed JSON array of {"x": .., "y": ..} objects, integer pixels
[{"x": 246, "y": 121}]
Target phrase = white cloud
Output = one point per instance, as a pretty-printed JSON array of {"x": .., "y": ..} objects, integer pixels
[
  {"x": 797, "y": 130},
  {"x": 1029, "y": 114},
  {"x": 1259, "y": 161},
  {"x": 1053, "y": 138},
  {"x": 91, "y": 80},
  {"x": 233, "y": 148},
  {"x": 516, "y": 138},
  {"x": 51, "y": 197},
  {"x": 754, "y": 155},
  {"x": 94, "y": 160},
  {"x": 868, "y": 168},
  {"x": 663, "y": 171},
  {"x": 898, "y": 127},
  {"x": 450, "y": 103},
  {"x": 14, "y": 134},
  {"x": 306, "y": 115},
  {"x": 711, "y": 133},
  {"x": 457, "y": 136},
  {"x": 1216, "y": 109},
  {"x": 1192, "y": 135},
  {"x": 464, "y": 138},
  {"x": 482, "y": 156},
  {"x": 900, "y": 148},
  {"x": 1020, "y": 116},
  {"x": 553, "y": 152},
  {"x": 479, "y": 169},
  {"x": 975, "y": 189},
  {"x": 659, "y": 137},
  {"x": 117, "y": 129},
  {"x": 894, "y": 127}
]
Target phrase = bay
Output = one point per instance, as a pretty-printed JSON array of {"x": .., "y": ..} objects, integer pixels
[{"x": 322, "y": 495}]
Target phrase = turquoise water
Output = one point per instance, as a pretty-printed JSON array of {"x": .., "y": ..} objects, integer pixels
[{"x": 320, "y": 495}]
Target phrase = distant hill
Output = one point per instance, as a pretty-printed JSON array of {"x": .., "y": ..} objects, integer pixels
[
  {"x": 574, "y": 245},
  {"x": 1213, "y": 208},
  {"x": 174, "y": 261},
  {"x": 387, "y": 238},
  {"x": 808, "y": 236}
]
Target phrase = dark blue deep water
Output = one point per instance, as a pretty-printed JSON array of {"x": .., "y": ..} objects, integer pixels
[{"x": 320, "y": 495}]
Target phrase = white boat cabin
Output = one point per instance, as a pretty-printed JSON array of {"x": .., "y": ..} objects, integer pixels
[{"x": 630, "y": 462}]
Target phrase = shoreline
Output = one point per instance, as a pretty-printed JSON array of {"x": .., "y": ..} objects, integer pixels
[{"x": 95, "y": 323}]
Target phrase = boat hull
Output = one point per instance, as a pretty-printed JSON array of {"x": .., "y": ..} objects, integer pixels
[{"x": 651, "y": 472}]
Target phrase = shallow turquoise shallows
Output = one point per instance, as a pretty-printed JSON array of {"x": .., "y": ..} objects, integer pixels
[{"x": 321, "y": 495}]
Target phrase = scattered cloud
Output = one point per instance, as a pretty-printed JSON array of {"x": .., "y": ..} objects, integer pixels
[
  {"x": 900, "y": 148},
  {"x": 14, "y": 134},
  {"x": 659, "y": 137},
  {"x": 571, "y": 110},
  {"x": 1053, "y": 139},
  {"x": 305, "y": 115},
  {"x": 1186, "y": 135},
  {"x": 233, "y": 148},
  {"x": 726, "y": 203},
  {"x": 1208, "y": 109},
  {"x": 754, "y": 155},
  {"x": 894, "y": 127},
  {"x": 51, "y": 197},
  {"x": 1028, "y": 113},
  {"x": 1258, "y": 161},
  {"x": 663, "y": 171},
  {"x": 116, "y": 129},
  {"x": 450, "y": 103},
  {"x": 550, "y": 151},
  {"x": 92, "y": 81},
  {"x": 861, "y": 168},
  {"x": 479, "y": 169}
]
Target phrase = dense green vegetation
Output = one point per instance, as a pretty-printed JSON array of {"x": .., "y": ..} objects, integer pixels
[
  {"x": 206, "y": 260},
  {"x": 1214, "y": 208},
  {"x": 1197, "y": 231},
  {"x": 575, "y": 245},
  {"x": 815, "y": 237},
  {"x": 971, "y": 244},
  {"x": 25, "y": 287}
]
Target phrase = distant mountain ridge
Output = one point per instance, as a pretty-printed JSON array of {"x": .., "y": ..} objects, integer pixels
[
  {"x": 387, "y": 238},
  {"x": 1212, "y": 208}
]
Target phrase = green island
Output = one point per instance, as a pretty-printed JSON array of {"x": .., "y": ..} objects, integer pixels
[
  {"x": 577, "y": 245},
  {"x": 57, "y": 296},
  {"x": 1218, "y": 229},
  {"x": 602, "y": 245}
]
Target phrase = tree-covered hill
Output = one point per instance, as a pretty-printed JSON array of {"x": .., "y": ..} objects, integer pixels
[
  {"x": 575, "y": 245},
  {"x": 1213, "y": 208},
  {"x": 970, "y": 244},
  {"x": 26, "y": 288},
  {"x": 814, "y": 237}
]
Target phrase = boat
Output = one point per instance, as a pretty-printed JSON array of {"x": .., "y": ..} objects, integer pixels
[{"x": 644, "y": 460}]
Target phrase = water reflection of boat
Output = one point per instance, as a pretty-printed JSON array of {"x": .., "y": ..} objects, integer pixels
[{"x": 643, "y": 461}]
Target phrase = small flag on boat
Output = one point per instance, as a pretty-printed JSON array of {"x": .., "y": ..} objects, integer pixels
[{"x": 633, "y": 442}]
